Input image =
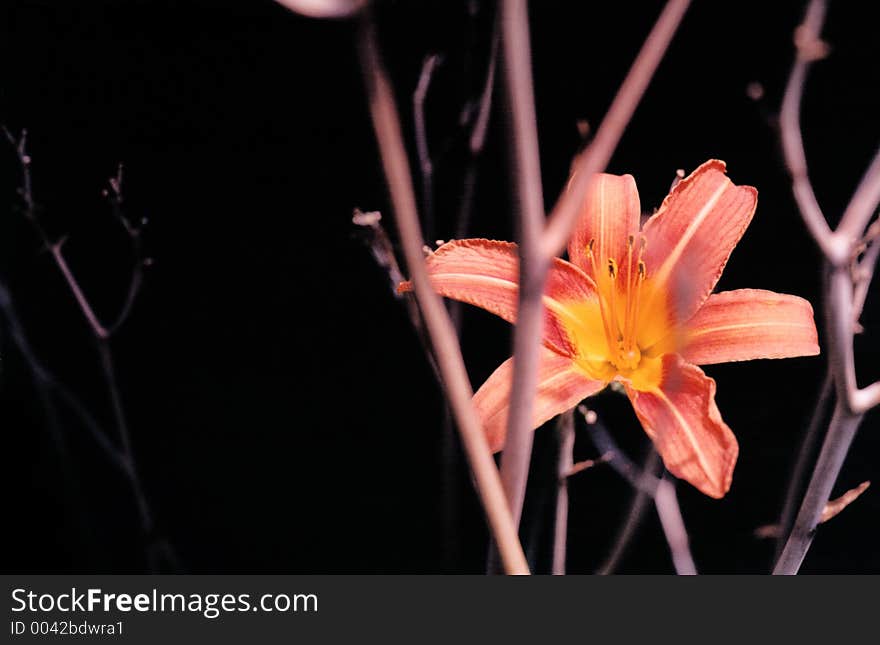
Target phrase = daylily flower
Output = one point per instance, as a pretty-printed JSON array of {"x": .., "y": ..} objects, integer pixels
[{"x": 635, "y": 306}]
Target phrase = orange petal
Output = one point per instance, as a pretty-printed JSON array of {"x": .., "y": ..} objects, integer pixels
[
  {"x": 609, "y": 215},
  {"x": 685, "y": 425},
  {"x": 691, "y": 237},
  {"x": 485, "y": 273},
  {"x": 746, "y": 324},
  {"x": 561, "y": 386}
]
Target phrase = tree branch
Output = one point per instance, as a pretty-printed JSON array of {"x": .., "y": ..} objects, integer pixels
[
  {"x": 845, "y": 291},
  {"x": 386, "y": 125},
  {"x": 660, "y": 490},
  {"x": 598, "y": 153},
  {"x": 426, "y": 166},
  {"x": 529, "y": 201},
  {"x": 564, "y": 468}
]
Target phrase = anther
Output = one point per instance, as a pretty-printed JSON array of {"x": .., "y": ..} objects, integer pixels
[
  {"x": 642, "y": 270},
  {"x": 612, "y": 268},
  {"x": 591, "y": 244},
  {"x": 630, "y": 240}
]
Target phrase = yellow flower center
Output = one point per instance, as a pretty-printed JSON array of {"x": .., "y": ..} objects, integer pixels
[{"x": 607, "y": 332}]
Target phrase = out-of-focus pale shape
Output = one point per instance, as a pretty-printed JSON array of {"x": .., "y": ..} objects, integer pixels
[{"x": 324, "y": 8}]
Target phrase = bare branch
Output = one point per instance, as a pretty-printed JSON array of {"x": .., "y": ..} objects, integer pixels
[
  {"x": 529, "y": 201},
  {"x": 661, "y": 490},
  {"x": 845, "y": 292},
  {"x": 476, "y": 143},
  {"x": 805, "y": 452},
  {"x": 809, "y": 46},
  {"x": 101, "y": 335},
  {"x": 383, "y": 253},
  {"x": 139, "y": 262},
  {"x": 426, "y": 166},
  {"x": 841, "y": 431},
  {"x": 864, "y": 272},
  {"x": 864, "y": 202},
  {"x": 44, "y": 377},
  {"x": 114, "y": 196},
  {"x": 835, "y": 506},
  {"x": 565, "y": 433},
  {"x": 386, "y": 125},
  {"x": 596, "y": 156},
  {"x": 674, "y": 529},
  {"x": 587, "y": 464},
  {"x": 634, "y": 517}
]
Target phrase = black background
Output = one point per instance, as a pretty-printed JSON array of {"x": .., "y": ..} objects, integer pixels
[{"x": 283, "y": 415}]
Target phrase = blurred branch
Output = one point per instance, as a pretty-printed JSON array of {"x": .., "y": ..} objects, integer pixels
[
  {"x": 533, "y": 264},
  {"x": 386, "y": 125},
  {"x": 864, "y": 272},
  {"x": 114, "y": 196},
  {"x": 382, "y": 250},
  {"x": 101, "y": 335},
  {"x": 845, "y": 291},
  {"x": 660, "y": 490},
  {"x": 324, "y": 8},
  {"x": 634, "y": 517},
  {"x": 44, "y": 379},
  {"x": 477, "y": 139},
  {"x": 426, "y": 166},
  {"x": 598, "y": 153},
  {"x": 565, "y": 466}
]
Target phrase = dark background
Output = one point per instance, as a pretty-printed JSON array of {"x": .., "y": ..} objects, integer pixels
[{"x": 283, "y": 415}]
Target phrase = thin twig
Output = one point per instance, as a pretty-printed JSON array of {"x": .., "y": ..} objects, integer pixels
[
  {"x": 863, "y": 204},
  {"x": 634, "y": 516},
  {"x": 476, "y": 143},
  {"x": 139, "y": 262},
  {"x": 386, "y": 125},
  {"x": 375, "y": 237},
  {"x": 44, "y": 378},
  {"x": 101, "y": 334},
  {"x": 587, "y": 464},
  {"x": 864, "y": 272},
  {"x": 477, "y": 139},
  {"x": 426, "y": 166},
  {"x": 597, "y": 154},
  {"x": 835, "y": 506},
  {"x": 660, "y": 490},
  {"x": 565, "y": 465}
]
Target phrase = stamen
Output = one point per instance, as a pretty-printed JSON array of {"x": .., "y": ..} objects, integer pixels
[
  {"x": 612, "y": 296},
  {"x": 627, "y": 315},
  {"x": 612, "y": 347},
  {"x": 638, "y": 297},
  {"x": 634, "y": 279}
]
